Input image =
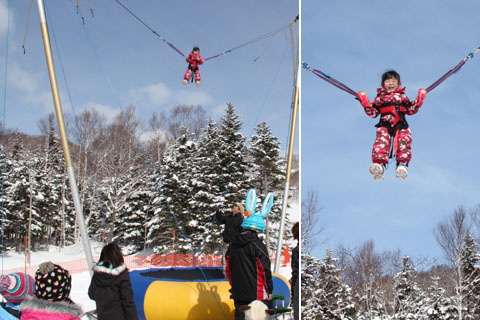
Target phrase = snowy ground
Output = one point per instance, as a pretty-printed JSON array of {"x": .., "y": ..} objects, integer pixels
[{"x": 81, "y": 281}]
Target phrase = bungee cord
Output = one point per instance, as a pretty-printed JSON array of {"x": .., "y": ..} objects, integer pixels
[{"x": 345, "y": 88}]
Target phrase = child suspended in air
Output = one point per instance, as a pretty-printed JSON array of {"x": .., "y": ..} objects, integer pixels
[
  {"x": 194, "y": 60},
  {"x": 391, "y": 104}
]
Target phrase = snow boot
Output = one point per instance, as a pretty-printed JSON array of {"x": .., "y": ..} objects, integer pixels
[
  {"x": 184, "y": 82},
  {"x": 377, "y": 170},
  {"x": 197, "y": 84},
  {"x": 401, "y": 171}
]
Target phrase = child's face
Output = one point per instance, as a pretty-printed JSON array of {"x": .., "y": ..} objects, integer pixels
[
  {"x": 391, "y": 84},
  {"x": 196, "y": 51}
]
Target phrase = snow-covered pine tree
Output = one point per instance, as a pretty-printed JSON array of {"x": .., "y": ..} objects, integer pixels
[
  {"x": 51, "y": 185},
  {"x": 137, "y": 209},
  {"x": 408, "y": 295},
  {"x": 233, "y": 179},
  {"x": 206, "y": 195},
  {"x": 435, "y": 305},
  {"x": 268, "y": 175},
  {"x": 470, "y": 285},
  {"x": 21, "y": 189},
  {"x": 310, "y": 282},
  {"x": 176, "y": 182},
  {"x": 114, "y": 193},
  {"x": 327, "y": 296}
]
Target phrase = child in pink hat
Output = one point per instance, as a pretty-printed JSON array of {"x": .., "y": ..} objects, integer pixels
[{"x": 14, "y": 287}]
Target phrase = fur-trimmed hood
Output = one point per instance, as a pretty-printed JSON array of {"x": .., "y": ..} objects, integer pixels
[
  {"x": 114, "y": 272},
  {"x": 104, "y": 277},
  {"x": 35, "y": 304}
]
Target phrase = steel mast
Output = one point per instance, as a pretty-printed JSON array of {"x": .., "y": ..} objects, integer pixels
[
  {"x": 296, "y": 69},
  {"x": 63, "y": 135}
]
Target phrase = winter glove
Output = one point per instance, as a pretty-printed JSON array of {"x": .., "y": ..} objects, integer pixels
[
  {"x": 422, "y": 93},
  {"x": 362, "y": 96}
]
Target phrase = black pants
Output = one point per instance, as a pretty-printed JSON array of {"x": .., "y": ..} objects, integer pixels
[{"x": 239, "y": 315}]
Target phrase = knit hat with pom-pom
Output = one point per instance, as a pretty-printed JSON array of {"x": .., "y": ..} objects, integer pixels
[
  {"x": 15, "y": 286},
  {"x": 52, "y": 282}
]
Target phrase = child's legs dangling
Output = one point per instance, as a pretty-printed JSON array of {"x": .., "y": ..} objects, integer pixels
[
  {"x": 188, "y": 74},
  {"x": 197, "y": 75},
  {"x": 404, "y": 148},
  {"x": 381, "y": 146}
]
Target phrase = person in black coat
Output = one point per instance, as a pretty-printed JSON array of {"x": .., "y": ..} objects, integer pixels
[
  {"x": 111, "y": 287},
  {"x": 232, "y": 224},
  {"x": 249, "y": 266}
]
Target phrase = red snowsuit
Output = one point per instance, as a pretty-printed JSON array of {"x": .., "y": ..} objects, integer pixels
[
  {"x": 392, "y": 107},
  {"x": 194, "y": 60}
]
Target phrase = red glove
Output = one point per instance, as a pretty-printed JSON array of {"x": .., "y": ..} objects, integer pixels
[
  {"x": 362, "y": 96},
  {"x": 422, "y": 93}
]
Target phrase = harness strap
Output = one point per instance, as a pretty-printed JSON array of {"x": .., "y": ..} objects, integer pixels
[{"x": 393, "y": 110}]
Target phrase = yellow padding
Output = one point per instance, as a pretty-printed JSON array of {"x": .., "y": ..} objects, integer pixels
[{"x": 188, "y": 300}]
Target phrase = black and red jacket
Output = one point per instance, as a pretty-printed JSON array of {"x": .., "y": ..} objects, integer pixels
[
  {"x": 392, "y": 107},
  {"x": 248, "y": 268},
  {"x": 194, "y": 60}
]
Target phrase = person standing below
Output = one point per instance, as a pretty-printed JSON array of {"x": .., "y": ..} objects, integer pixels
[
  {"x": 233, "y": 223},
  {"x": 295, "y": 267},
  {"x": 111, "y": 287},
  {"x": 248, "y": 265},
  {"x": 52, "y": 296}
]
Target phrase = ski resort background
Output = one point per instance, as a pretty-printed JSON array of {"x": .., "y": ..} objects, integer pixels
[
  {"x": 72, "y": 258},
  {"x": 130, "y": 117}
]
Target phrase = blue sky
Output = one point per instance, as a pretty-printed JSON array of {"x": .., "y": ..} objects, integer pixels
[
  {"x": 143, "y": 70},
  {"x": 355, "y": 42}
]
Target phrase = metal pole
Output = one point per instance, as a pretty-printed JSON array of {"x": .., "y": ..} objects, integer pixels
[
  {"x": 63, "y": 135},
  {"x": 287, "y": 178}
]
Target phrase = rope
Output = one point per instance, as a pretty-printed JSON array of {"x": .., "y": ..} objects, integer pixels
[
  {"x": 263, "y": 36},
  {"x": 329, "y": 79},
  {"x": 345, "y": 88},
  {"x": 26, "y": 26},
  {"x": 91, "y": 7},
  {"x": 264, "y": 50},
  {"x": 90, "y": 171},
  {"x": 79, "y": 11},
  {"x": 152, "y": 171},
  {"x": 149, "y": 28},
  {"x": 453, "y": 70},
  {"x": 3, "y": 130}
]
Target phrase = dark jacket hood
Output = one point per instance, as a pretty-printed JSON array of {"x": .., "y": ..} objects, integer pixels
[
  {"x": 245, "y": 237},
  {"x": 106, "y": 276}
]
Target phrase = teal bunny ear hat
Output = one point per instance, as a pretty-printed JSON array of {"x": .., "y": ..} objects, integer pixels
[{"x": 254, "y": 221}]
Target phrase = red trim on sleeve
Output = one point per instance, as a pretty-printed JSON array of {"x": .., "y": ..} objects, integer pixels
[
  {"x": 227, "y": 271},
  {"x": 261, "y": 282}
]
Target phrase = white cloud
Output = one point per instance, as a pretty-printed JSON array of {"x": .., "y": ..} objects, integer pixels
[
  {"x": 193, "y": 98},
  {"x": 152, "y": 95},
  {"x": 158, "y": 94},
  {"x": 23, "y": 80},
  {"x": 219, "y": 110}
]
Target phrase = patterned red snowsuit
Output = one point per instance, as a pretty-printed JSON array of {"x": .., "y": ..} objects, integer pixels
[
  {"x": 194, "y": 60},
  {"x": 392, "y": 107}
]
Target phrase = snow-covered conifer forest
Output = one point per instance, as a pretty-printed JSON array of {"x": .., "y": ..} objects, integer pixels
[
  {"x": 191, "y": 166},
  {"x": 364, "y": 283}
]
